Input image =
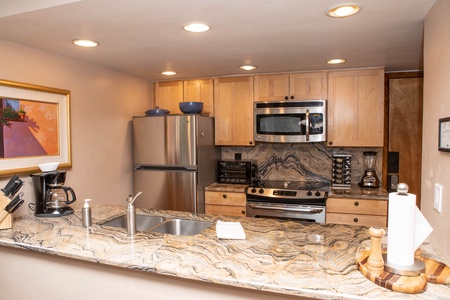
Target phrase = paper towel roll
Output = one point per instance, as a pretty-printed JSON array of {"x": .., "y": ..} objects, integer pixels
[{"x": 407, "y": 229}]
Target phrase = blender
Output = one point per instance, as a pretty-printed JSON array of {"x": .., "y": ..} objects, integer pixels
[
  {"x": 370, "y": 178},
  {"x": 52, "y": 197}
]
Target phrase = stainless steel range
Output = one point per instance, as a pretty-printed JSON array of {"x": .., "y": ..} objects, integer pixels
[{"x": 297, "y": 200}]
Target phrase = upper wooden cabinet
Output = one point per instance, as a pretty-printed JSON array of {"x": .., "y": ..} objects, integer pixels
[
  {"x": 200, "y": 90},
  {"x": 233, "y": 111},
  {"x": 168, "y": 94},
  {"x": 298, "y": 86},
  {"x": 356, "y": 108}
]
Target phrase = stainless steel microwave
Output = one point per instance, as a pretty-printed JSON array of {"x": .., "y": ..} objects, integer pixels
[{"x": 300, "y": 121}]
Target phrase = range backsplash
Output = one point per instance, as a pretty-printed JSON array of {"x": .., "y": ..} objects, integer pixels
[{"x": 302, "y": 161}]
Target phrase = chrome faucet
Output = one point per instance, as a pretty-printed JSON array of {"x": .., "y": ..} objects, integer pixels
[{"x": 131, "y": 215}]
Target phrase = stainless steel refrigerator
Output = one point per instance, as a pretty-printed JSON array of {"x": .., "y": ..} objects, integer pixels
[{"x": 174, "y": 159}]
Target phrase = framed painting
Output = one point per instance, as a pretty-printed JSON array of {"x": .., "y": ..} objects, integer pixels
[
  {"x": 34, "y": 127},
  {"x": 444, "y": 134}
]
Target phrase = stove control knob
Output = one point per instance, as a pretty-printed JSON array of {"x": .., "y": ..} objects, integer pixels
[
  {"x": 261, "y": 191},
  {"x": 309, "y": 193},
  {"x": 317, "y": 194},
  {"x": 253, "y": 190}
]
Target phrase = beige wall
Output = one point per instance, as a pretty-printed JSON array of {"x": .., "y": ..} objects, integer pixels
[
  {"x": 436, "y": 164},
  {"x": 102, "y": 104}
]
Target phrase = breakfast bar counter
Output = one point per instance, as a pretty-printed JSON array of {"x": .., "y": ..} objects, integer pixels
[{"x": 277, "y": 259}]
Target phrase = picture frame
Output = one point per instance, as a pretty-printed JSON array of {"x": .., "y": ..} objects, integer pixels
[
  {"x": 34, "y": 127},
  {"x": 444, "y": 134}
]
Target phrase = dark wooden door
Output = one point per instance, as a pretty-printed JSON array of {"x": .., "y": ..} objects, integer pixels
[{"x": 404, "y": 134}]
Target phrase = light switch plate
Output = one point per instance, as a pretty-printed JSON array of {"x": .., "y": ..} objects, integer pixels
[{"x": 438, "y": 197}]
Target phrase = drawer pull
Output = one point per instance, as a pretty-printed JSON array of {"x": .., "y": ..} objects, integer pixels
[
  {"x": 224, "y": 196},
  {"x": 355, "y": 220},
  {"x": 356, "y": 203},
  {"x": 243, "y": 212}
]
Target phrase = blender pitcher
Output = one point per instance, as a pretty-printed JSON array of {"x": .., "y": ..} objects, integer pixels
[{"x": 370, "y": 178}]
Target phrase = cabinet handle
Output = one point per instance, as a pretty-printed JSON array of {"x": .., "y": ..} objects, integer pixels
[
  {"x": 243, "y": 212},
  {"x": 292, "y": 97},
  {"x": 250, "y": 143},
  {"x": 356, "y": 203},
  {"x": 286, "y": 98},
  {"x": 330, "y": 143},
  {"x": 355, "y": 220},
  {"x": 224, "y": 196}
]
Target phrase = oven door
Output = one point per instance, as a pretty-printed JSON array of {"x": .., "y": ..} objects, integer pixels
[{"x": 297, "y": 212}]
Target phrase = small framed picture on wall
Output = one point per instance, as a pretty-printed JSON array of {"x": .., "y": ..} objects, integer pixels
[{"x": 444, "y": 134}]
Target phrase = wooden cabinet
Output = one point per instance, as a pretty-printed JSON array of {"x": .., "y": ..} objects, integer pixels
[
  {"x": 365, "y": 212},
  {"x": 225, "y": 203},
  {"x": 200, "y": 90},
  {"x": 168, "y": 94},
  {"x": 233, "y": 111},
  {"x": 356, "y": 108},
  {"x": 298, "y": 86}
]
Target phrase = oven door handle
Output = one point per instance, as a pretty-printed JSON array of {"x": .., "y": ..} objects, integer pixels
[{"x": 297, "y": 209}]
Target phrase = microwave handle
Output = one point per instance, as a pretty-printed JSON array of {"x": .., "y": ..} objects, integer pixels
[{"x": 307, "y": 125}]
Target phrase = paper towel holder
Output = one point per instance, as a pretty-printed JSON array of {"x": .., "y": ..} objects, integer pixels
[{"x": 411, "y": 270}]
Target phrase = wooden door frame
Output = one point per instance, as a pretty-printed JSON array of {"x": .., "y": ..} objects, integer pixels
[{"x": 387, "y": 77}]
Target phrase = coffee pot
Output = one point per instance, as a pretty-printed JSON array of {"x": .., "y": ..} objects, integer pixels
[
  {"x": 52, "y": 197},
  {"x": 370, "y": 178}
]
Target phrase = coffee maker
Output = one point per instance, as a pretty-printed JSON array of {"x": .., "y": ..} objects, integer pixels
[
  {"x": 52, "y": 197},
  {"x": 370, "y": 178}
]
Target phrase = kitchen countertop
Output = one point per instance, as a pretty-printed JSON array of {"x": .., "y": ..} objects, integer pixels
[
  {"x": 353, "y": 192},
  {"x": 305, "y": 259}
]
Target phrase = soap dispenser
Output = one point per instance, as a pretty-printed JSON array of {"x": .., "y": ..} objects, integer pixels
[{"x": 86, "y": 214}]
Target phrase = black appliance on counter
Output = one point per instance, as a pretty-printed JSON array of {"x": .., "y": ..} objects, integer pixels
[
  {"x": 52, "y": 197},
  {"x": 296, "y": 200},
  {"x": 236, "y": 171}
]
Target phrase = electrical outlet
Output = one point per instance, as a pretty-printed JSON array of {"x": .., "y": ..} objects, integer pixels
[{"x": 438, "y": 197}]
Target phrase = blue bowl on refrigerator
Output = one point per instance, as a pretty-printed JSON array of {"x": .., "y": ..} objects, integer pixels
[{"x": 191, "y": 107}]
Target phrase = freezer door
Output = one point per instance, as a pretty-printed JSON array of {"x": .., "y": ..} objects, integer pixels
[
  {"x": 166, "y": 189},
  {"x": 165, "y": 141}
]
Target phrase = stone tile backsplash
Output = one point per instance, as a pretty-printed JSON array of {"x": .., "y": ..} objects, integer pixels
[{"x": 302, "y": 161}]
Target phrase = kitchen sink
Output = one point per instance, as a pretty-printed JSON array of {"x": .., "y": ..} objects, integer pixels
[
  {"x": 143, "y": 222},
  {"x": 181, "y": 227},
  {"x": 162, "y": 225}
]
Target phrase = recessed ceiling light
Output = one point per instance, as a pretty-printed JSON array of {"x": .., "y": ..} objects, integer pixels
[
  {"x": 196, "y": 27},
  {"x": 169, "y": 73},
  {"x": 85, "y": 43},
  {"x": 343, "y": 10},
  {"x": 335, "y": 61},
  {"x": 247, "y": 67}
]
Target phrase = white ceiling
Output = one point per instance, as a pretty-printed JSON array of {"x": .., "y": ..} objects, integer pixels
[{"x": 145, "y": 37}]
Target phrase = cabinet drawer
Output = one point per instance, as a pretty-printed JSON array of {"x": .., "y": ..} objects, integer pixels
[
  {"x": 225, "y": 198},
  {"x": 355, "y": 219},
  {"x": 225, "y": 210},
  {"x": 357, "y": 206}
]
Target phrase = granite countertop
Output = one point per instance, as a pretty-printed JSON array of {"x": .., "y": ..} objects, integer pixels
[{"x": 305, "y": 259}]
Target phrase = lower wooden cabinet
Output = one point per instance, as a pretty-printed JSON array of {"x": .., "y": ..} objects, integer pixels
[
  {"x": 351, "y": 211},
  {"x": 225, "y": 203}
]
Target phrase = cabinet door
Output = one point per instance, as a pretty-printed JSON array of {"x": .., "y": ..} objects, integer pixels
[
  {"x": 168, "y": 95},
  {"x": 356, "y": 108},
  {"x": 233, "y": 111},
  {"x": 271, "y": 87},
  {"x": 200, "y": 90},
  {"x": 305, "y": 86}
]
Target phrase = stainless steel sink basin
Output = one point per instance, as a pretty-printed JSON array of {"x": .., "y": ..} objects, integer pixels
[
  {"x": 181, "y": 227},
  {"x": 143, "y": 222}
]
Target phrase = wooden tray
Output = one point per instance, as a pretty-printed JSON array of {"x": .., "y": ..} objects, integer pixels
[{"x": 396, "y": 283}]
